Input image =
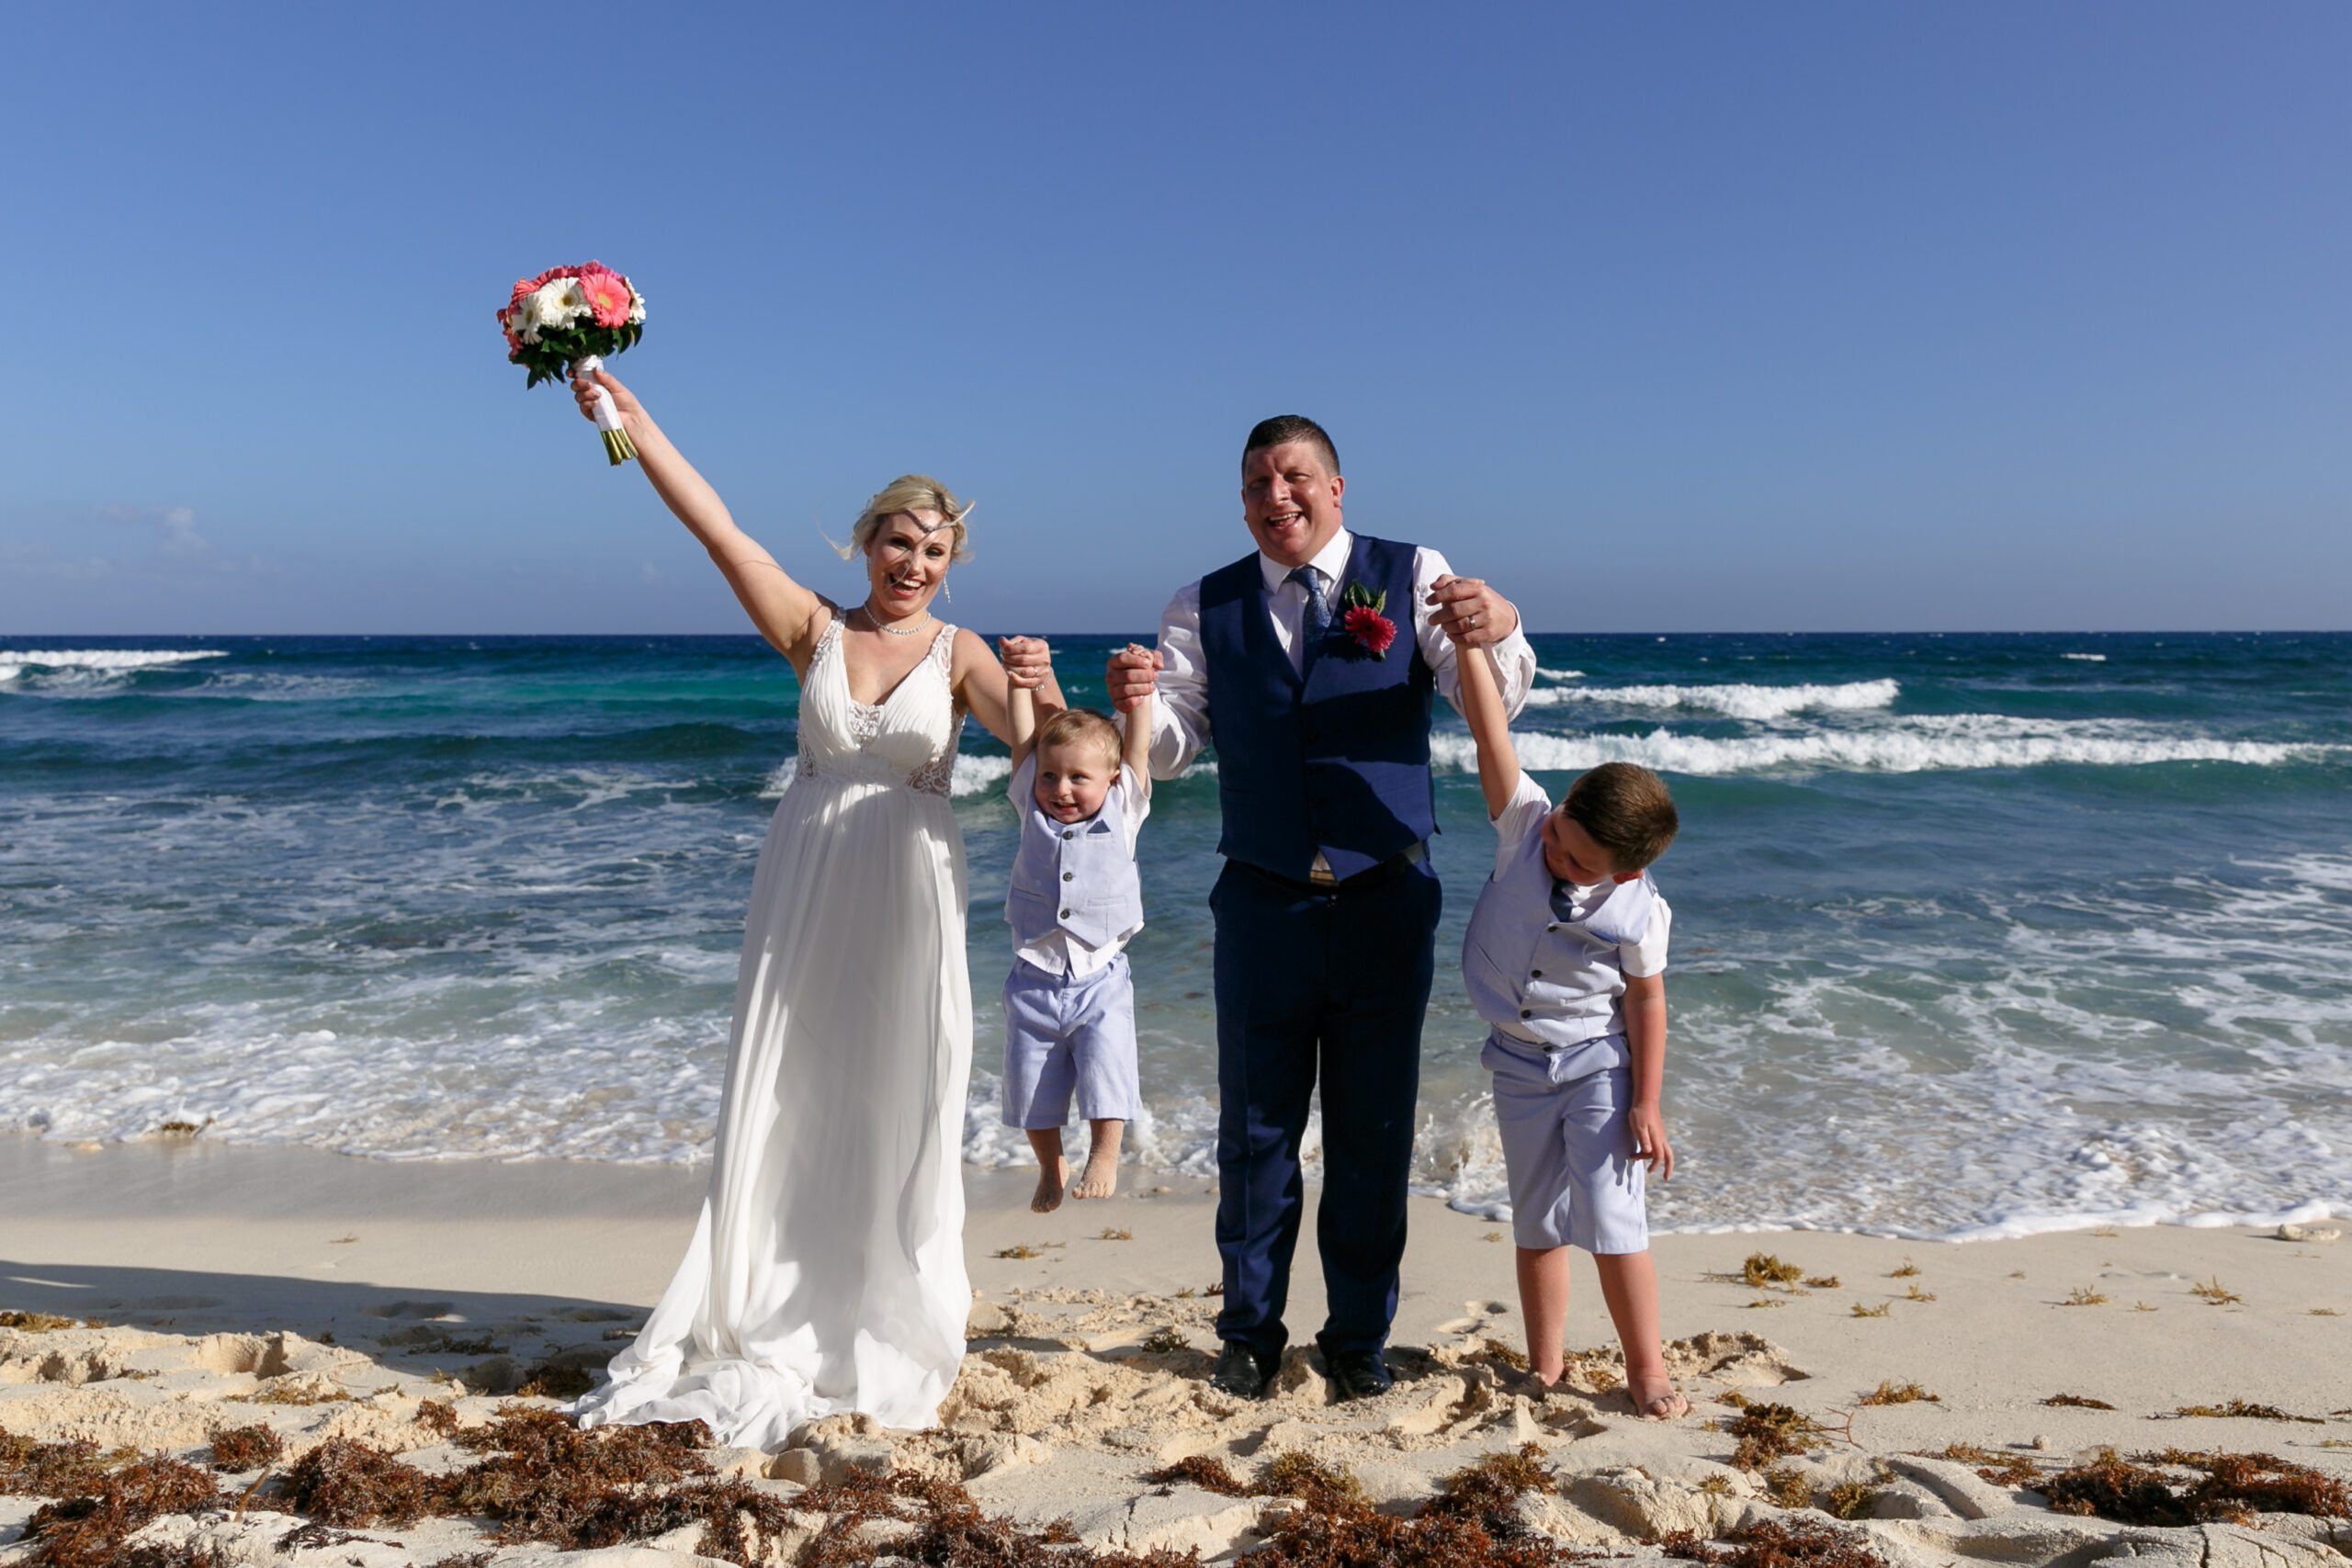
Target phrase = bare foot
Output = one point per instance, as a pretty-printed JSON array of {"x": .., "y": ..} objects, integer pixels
[
  {"x": 1101, "y": 1177},
  {"x": 1654, "y": 1399},
  {"x": 1051, "y": 1175}
]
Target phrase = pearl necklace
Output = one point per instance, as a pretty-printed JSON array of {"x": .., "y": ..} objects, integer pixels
[{"x": 887, "y": 630}]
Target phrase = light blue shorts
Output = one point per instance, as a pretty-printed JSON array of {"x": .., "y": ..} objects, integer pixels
[
  {"x": 1574, "y": 1179},
  {"x": 1067, "y": 1038}
]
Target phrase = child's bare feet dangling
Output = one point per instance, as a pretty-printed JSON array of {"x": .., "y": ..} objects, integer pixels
[
  {"x": 1050, "y": 1177},
  {"x": 1100, "y": 1177},
  {"x": 1052, "y": 1171}
]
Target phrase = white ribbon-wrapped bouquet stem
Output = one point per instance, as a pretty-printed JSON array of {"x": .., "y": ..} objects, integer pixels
[{"x": 618, "y": 447}]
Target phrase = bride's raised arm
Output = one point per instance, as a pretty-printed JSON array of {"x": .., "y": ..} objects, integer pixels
[{"x": 784, "y": 611}]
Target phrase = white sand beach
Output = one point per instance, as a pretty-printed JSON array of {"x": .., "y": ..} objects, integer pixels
[{"x": 326, "y": 1297}]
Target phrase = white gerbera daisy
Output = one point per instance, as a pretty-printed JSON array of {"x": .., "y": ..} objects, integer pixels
[{"x": 556, "y": 304}]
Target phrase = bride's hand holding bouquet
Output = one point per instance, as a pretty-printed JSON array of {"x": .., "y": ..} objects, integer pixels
[{"x": 563, "y": 321}]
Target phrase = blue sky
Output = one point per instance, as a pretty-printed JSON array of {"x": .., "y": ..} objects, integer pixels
[{"x": 1672, "y": 316}]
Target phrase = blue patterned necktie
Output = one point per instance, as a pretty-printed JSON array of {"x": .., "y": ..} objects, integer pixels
[{"x": 1318, "y": 623}]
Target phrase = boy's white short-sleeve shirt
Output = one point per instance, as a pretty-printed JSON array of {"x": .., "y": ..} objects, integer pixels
[
  {"x": 1521, "y": 820},
  {"x": 1057, "y": 952}
]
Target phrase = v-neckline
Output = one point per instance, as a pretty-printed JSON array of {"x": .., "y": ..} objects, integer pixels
[{"x": 841, "y": 656}]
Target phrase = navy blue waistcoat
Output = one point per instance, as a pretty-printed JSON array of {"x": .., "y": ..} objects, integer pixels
[{"x": 1336, "y": 758}]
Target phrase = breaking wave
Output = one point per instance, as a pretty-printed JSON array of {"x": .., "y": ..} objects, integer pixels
[
  {"x": 16, "y": 662},
  {"x": 1922, "y": 744},
  {"x": 1760, "y": 703}
]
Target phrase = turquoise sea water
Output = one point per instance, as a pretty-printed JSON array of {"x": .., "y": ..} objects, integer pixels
[{"x": 1973, "y": 934}]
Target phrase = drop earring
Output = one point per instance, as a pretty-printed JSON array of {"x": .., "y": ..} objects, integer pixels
[{"x": 947, "y": 590}]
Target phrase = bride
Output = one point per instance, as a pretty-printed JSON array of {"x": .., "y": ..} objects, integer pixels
[{"x": 826, "y": 1273}]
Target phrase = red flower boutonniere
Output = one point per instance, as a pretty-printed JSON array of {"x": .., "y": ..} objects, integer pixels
[{"x": 1360, "y": 614}]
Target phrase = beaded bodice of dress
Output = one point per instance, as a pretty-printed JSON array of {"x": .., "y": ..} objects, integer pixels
[{"x": 908, "y": 738}]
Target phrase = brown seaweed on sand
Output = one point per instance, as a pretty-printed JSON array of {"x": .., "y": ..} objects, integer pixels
[
  {"x": 2229, "y": 1486},
  {"x": 1201, "y": 1471},
  {"x": 2000, "y": 1469},
  {"x": 344, "y": 1481},
  {"x": 1853, "y": 1500},
  {"x": 2239, "y": 1409},
  {"x": 37, "y": 1322},
  {"x": 32, "y": 1468},
  {"x": 544, "y": 1479},
  {"x": 245, "y": 1448},
  {"x": 1891, "y": 1392},
  {"x": 947, "y": 1527},
  {"x": 1766, "y": 1432},
  {"x": 1778, "y": 1544},
  {"x": 550, "y": 1380},
  {"x": 1294, "y": 1473},
  {"x": 1473, "y": 1522},
  {"x": 1785, "y": 1485},
  {"x": 88, "y": 1530},
  {"x": 1764, "y": 1269}
]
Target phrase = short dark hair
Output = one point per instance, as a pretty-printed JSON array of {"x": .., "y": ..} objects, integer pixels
[
  {"x": 1285, "y": 428},
  {"x": 1628, "y": 812}
]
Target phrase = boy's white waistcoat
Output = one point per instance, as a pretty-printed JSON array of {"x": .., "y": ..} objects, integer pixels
[
  {"x": 1542, "y": 977},
  {"x": 1077, "y": 876}
]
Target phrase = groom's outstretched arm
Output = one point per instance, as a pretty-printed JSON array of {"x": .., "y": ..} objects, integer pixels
[
  {"x": 1176, "y": 675},
  {"x": 1441, "y": 603}
]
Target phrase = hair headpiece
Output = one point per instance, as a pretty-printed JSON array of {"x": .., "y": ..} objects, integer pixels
[{"x": 949, "y": 517}]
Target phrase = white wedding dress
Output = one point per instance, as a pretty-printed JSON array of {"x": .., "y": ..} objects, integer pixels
[{"x": 826, "y": 1274}]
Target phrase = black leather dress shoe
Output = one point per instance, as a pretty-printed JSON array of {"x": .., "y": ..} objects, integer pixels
[
  {"x": 1360, "y": 1374},
  {"x": 1242, "y": 1372}
]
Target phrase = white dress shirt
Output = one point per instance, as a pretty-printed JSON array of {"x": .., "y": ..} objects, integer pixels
[{"x": 1180, "y": 720}]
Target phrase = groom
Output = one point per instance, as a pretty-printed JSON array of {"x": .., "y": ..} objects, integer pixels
[{"x": 1326, "y": 910}]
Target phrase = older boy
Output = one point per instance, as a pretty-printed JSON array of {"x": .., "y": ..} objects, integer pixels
[{"x": 1566, "y": 959}]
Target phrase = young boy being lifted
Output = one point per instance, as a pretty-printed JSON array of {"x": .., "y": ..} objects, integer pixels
[
  {"x": 1082, "y": 790},
  {"x": 1565, "y": 960}
]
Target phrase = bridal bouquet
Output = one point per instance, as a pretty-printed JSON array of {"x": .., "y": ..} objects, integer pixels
[{"x": 562, "y": 323}]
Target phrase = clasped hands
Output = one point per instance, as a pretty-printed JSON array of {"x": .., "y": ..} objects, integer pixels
[
  {"x": 1028, "y": 661},
  {"x": 1465, "y": 608}
]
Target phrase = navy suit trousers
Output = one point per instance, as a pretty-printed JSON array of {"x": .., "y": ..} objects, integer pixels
[{"x": 1308, "y": 984}]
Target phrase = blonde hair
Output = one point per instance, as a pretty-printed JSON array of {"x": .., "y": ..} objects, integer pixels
[
  {"x": 1079, "y": 727},
  {"x": 908, "y": 493}
]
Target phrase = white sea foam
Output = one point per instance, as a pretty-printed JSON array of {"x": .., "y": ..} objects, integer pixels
[
  {"x": 111, "y": 659},
  {"x": 75, "y": 667},
  {"x": 1919, "y": 744},
  {"x": 1734, "y": 700},
  {"x": 2088, "y": 657},
  {"x": 975, "y": 775},
  {"x": 1559, "y": 674}
]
